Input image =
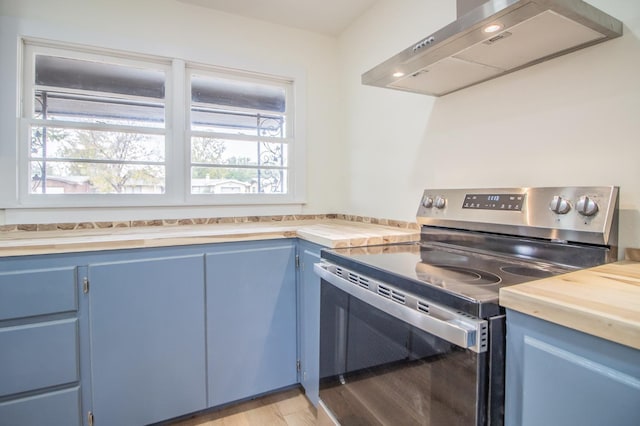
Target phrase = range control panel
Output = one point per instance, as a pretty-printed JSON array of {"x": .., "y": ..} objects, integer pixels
[
  {"x": 580, "y": 214},
  {"x": 494, "y": 201}
]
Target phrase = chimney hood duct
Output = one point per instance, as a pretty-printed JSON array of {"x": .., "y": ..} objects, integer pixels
[{"x": 490, "y": 39}]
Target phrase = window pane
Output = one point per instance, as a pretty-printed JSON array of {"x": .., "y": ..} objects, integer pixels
[
  {"x": 67, "y": 160},
  {"x": 234, "y": 153},
  {"x": 214, "y": 180},
  {"x": 238, "y": 123},
  {"x": 99, "y": 92},
  {"x": 52, "y": 177},
  {"x": 51, "y": 142},
  {"x": 53, "y": 71},
  {"x": 255, "y": 112},
  {"x": 53, "y": 105},
  {"x": 237, "y": 94}
]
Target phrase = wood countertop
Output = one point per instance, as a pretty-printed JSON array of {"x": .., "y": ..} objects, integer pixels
[
  {"x": 603, "y": 301},
  {"x": 328, "y": 232}
]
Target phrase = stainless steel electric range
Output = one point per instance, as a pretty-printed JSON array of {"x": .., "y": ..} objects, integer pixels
[{"x": 413, "y": 333}]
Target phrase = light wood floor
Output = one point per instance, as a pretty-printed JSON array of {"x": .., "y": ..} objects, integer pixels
[{"x": 288, "y": 408}]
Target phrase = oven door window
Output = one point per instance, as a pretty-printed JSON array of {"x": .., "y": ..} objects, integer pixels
[{"x": 378, "y": 370}]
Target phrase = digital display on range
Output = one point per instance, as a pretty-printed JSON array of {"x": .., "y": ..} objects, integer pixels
[{"x": 510, "y": 202}]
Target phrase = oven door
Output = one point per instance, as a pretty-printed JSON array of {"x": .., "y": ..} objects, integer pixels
[{"x": 382, "y": 362}]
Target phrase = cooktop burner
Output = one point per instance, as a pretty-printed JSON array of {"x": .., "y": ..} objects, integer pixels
[
  {"x": 436, "y": 274},
  {"x": 527, "y": 271}
]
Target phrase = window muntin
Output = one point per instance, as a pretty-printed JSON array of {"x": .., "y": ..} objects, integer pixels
[
  {"x": 96, "y": 125},
  {"x": 239, "y": 132}
]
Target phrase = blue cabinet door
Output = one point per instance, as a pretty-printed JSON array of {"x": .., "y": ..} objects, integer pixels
[
  {"x": 558, "y": 376},
  {"x": 309, "y": 319},
  {"x": 251, "y": 319},
  {"x": 147, "y": 339}
]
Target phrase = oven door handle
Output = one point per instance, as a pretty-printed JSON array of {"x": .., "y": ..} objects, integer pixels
[{"x": 454, "y": 327}]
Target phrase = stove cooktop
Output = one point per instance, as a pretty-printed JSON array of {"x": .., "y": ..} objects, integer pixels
[{"x": 472, "y": 275}]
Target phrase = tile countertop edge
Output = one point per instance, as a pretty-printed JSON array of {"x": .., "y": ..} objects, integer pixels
[
  {"x": 603, "y": 301},
  {"x": 329, "y": 233}
]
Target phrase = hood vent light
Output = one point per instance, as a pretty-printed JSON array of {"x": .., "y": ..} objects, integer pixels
[{"x": 492, "y": 28}]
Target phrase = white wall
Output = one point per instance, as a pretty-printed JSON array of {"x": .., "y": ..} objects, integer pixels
[
  {"x": 174, "y": 29},
  {"x": 574, "y": 120}
]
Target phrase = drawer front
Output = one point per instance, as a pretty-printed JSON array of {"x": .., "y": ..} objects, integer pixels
[
  {"x": 54, "y": 408},
  {"x": 38, "y": 355},
  {"x": 37, "y": 292}
]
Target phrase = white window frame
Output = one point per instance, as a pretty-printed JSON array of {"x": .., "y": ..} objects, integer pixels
[
  {"x": 289, "y": 140},
  {"x": 177, "y": 132},
  {"x": 30, "y": 50}
]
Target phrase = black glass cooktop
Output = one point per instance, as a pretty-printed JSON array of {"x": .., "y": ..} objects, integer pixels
[
  {"x": 473, "y": 275},
  {"x": 463, "y": 269}
]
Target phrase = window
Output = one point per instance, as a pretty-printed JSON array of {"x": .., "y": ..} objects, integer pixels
[
  {"x": 96, "y": 124},
  {"x": 101, "y": 126},
  {"x": 239, "y": 133}
]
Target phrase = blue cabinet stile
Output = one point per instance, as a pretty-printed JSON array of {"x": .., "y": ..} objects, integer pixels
[{"x": 309, "y": 320}]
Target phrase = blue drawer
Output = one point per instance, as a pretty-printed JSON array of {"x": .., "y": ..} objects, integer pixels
[
  {"x": 38, "y": 355},
  {"x": 55, "y": 408},
  {"x": 37, "y": 292}
]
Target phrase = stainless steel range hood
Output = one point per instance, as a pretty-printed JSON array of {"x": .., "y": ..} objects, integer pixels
[{"x": 491, "y": 39}]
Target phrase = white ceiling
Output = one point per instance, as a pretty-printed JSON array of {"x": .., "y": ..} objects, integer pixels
[{"x": 329, "y": 17}]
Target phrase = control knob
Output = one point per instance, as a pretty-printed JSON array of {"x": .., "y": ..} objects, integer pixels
[
  {"x": 440, "y": 202},
  {"x": 559, "y": 205},
  {"x": 586, "y": 206},
  {"x": 427, "y": 202}
]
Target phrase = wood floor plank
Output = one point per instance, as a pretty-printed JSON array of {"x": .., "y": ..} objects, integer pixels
[
  {"x": 287, "y": 408},
  {"x": 294, "y": 404},
  {"x": 300, "y": 418},
  {"x": 267, "y": 415}
]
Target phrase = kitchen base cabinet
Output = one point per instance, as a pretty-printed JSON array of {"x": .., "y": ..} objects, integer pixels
[
  {"x": 147, "y": 339},
  {"x": 559, "y": 376},
  {"x": 251, "y": 319},
  {"x": 309, "y": 319},
  {"x": 139, "y": 336}
]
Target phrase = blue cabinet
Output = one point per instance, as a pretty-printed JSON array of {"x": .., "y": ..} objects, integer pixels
[
  {"x": 251, "y": 319},
  {"x": 309, "y": 319},
  {"x": 559, "y": 376},
  {"x": 159, "y": 332},
  {"x": 147, "y": 339},
  {"x": 39, "y": 344}
]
